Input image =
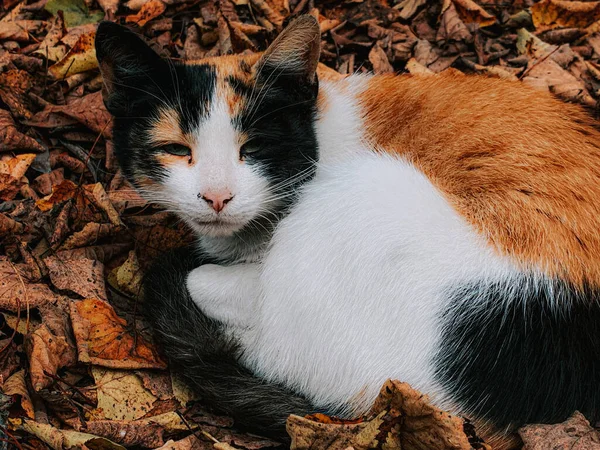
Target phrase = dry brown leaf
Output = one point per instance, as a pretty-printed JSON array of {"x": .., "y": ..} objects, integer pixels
[
  {"x": 121, "y": 395},
  {"x": 9, "y": 361},
  {"x": 16, "y": 294},
  {"x": 49, "y": 47},
  {"x": 470, "y": 12},
  {"x": 9, "y": 226},
  {"x": 128, "y": 433},
  {"x": 548, "y": 75},
  {"x": 101, "y": 199},
  {"x": 408, "y": 8},
  {"x": 192, "y": 442},
  {"x": 46, "y": 181},
  {"x": 12, "y": 170},
  {"x": 81, "y": 58},
  {"x": 16, "y": 385},
  {"x": 415, "y": 68},
  {"x": 573, "y": 434},
  {"x": 82, "y": 276},
  {"x": 548, "y": 14},
  {"x": 380, "y": 61},
  {"x": 66, "y": 439},
  {"x": 412, "y": 422},
  {"x": 110, "y": 7},
  {"x": 150, "y": 10},
  {"x": 102, "y": 253},
  {"x": 271, "y": 14},
  {"x": 47, "y": 352},
  {"x": 452, "y": 28},
  {"x": 89, "y": 235},
  {"x": 64, "y": 191},
  {"x": 20, "y": 30},
  {"x": 103, "y": 338},
  {"x": 12, "y": 139},
  {"x": 128, "y": 277},
  {"x": 14, "y": 87}
]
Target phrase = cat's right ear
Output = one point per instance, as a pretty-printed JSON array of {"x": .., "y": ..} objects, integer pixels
[
  {"x": 294, "y": 55},
  {"x": 130, "y": 68}
]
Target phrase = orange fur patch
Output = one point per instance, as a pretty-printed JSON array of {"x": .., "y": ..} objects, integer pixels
[{"x": 521, "y": 166}]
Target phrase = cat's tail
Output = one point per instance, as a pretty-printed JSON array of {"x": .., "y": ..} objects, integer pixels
[{"x": 205, "y": 357}]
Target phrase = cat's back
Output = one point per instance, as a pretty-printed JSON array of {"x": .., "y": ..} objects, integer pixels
[{"x": 519, "y": 165}]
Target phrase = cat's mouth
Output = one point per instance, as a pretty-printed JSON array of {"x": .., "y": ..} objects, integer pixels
[{"x": 217, "y": 226}]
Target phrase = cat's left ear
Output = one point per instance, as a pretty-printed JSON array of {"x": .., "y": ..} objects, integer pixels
[{"x": 294, "y": 54}]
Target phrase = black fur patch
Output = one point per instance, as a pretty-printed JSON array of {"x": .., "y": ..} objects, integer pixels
[
  {"x": 197, "y": 348},
  {"x": 509, "y": 356}
]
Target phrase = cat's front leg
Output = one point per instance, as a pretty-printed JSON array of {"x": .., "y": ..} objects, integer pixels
[{"x": 228, "y": 294}]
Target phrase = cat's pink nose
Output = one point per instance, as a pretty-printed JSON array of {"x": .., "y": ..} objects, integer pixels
[{"x": 217, "y": 200}]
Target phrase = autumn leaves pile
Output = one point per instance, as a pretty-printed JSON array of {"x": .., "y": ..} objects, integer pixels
[{"x": 77, "y": 364}]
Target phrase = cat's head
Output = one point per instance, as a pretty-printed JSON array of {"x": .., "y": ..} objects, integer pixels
[{"x": 222, "y": 142}]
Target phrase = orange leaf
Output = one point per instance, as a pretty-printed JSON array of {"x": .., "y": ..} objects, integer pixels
[{"x": 103, "y": 338}]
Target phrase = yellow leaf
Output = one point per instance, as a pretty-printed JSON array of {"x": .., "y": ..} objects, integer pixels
[
  {"x": 549, "y": 14},
  {"x": 81, "y": 58}
]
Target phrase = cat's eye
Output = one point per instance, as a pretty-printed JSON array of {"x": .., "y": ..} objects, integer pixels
[
  {"x": 249, "y": 148},
  {"x": 177, "y": 149}
]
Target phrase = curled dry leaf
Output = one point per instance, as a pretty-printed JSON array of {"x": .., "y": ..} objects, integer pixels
[
  {"x": 16, "y": 294},
  {"x": 149, "y": 11},
  {"x": 101, "y": 199},
  {"x": 406, "y": 416},
  {"x": 192, "y": 442},
  {"x": 81, "y": 58},
  {"x": 12, "y": 139},
  {"x": 470, "y": 12},
  {"x": 110, "y": 7},
  {"x": 82, "y": 276},
  {"x": 90, "y": 234},
  {"x": 47, "y": 352},
  {"x": 271, "y": 14},
  {"x": 128, "y": 277},
  {"x": 576, "y": 433},
  {"x": 16, "y": 385},
  {"x": 548, "y": 14},
  {"x": 12, "y": 170},
  {"x": 65, "y": 439},
  {"x": 49, "y": 47},
  {"x": 46, "y": 181},
  {"x": 62, "y": 192},
  {"x": 380, "y": 61},
  {"x": 103, "y": 338}
]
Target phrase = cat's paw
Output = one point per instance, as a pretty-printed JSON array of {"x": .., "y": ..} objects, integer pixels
[{"x": 225, "y": 293}]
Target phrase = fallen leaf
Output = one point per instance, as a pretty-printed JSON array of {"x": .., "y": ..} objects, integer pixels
[
  {"x": 380, "y": 61},
  {"x": 192, "y": 442},
  {"x": 12, "y": 170},
  {"x": 103, "y": 338},
  {"x": 12, "y": 139},
  {"x": 81, "y": 58},
  {"x": 9, "y": 361},
  {"x": 20, "y": 30},
  {"x": 47, "y": 353},
  {"x": 16, "y": 385},
  {"x": 128, "y": 433},
  {"x": 90, "y": 234},
  {"x": 75, "y": 12},
  {"x": 9, "y": 226},
  {"x": 82, "y": 276},
  {"x": 64, "y": 191},
  {"x": 408, "y": 8},
  {"x": 110, "y": 7},
  {"x": 452, "y": 27},
  {"x": 47, "y": 181},
  {"x": 470, "y": 12},
  {"x": 415, "y": 68},
  {"x": 16, "y": 294},
  {"x": 65, "y": 439},
  {"x": 573, "y": 434},
  {"x": 121, "y": 395},
  {"x": 406, "y": 416},
  {"x": 548, "y": 14},
  {"x": 49, "y": 47},
  {"x": 149, "y": 11},
  {"x": 101, "y": 199}
]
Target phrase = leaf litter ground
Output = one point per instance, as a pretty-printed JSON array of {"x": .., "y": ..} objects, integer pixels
[{"x": 77, "y": 365}]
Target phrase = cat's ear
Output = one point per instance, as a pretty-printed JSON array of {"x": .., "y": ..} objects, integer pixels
[
  {"x": 295, "y": 52},
  {"x": 130, "y": 68}
]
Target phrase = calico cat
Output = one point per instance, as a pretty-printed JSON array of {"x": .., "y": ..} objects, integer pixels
[{"x": 440, "y": 230}]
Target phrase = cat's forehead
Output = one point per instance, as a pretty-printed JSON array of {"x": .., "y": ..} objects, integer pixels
[{"x": 198, "y": 88}]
